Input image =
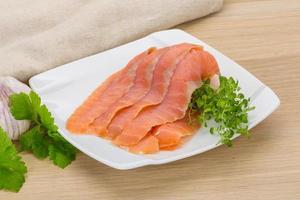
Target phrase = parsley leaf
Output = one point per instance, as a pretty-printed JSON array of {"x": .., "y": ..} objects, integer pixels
[
  {"x": 12, "y": 168},
  {"x": 61, "y": 154},
  {"x": 227, "y": 106},
  {"x": 46, "y": 119},
  {"x": 36, "y": 142},
  {"x": 43, "y": 139},
  {"x": 21, "y": 107}
]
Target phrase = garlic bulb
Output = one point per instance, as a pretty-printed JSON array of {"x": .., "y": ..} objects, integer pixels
[{"x": 14, "y": 128}]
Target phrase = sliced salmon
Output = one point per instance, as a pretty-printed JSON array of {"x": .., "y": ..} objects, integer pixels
[
  {"x": 170, "y": 134},
  {"x": 170, "y": 148},
  {"x": 165, "y": 137},
  {"x": 161, "y": 79},
  {"x": 142, "y": 84},
  {"x": 105, "y": 95},
  {"x": 196, "y": 66},
  {"x": 148, "y": 145}
]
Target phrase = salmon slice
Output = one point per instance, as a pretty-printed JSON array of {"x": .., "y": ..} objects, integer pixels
[
  {"x": 170, "y": 134},
  {"x": 161, "y": 80},
  {"x": 105, "y": 95},
  {"x": 170, "y": 148},
  {"x": 196, "y": 66},
  {"x": 142, "y": 83},
  {"x": 165, "y": 137},
  {"x": 148, "y": 145}
]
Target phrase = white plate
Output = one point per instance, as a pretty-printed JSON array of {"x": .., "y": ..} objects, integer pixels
[{"x": 64, "y": 88}]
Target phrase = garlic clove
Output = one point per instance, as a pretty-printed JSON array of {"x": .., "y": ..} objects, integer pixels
[{"x": 8, "y": 86}]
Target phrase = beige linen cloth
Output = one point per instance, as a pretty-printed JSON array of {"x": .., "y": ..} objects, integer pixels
[{"x": 36, "y": 35}]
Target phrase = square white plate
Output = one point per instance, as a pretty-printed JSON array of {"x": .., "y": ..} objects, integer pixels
[{"x": 64, "y": 88}]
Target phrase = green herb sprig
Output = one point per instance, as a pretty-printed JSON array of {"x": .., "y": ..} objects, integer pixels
[
  {"x": 12, "y": 168},
  {"x": 42, "y": 139},
  {"x": 227, "y": 106}
]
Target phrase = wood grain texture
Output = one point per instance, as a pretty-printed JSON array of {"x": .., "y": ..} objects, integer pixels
[{"x": 264, "y": 37}]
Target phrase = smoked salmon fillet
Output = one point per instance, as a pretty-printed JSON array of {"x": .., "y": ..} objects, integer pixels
[
  {"x": 170, "y": 134},
  {"x": 143, "y": 108},
  {"x": 105, "y": 95},
  {"x": 148, "y": 145},
  {"x": 196, "y": 66},
  {"x": 161, "y": 80},
  {"x": 141, "y": 86},
  {"x": 167, "y": 137}
]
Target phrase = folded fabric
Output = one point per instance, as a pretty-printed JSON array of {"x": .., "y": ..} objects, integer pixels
[{"x": 39, "y": 35}]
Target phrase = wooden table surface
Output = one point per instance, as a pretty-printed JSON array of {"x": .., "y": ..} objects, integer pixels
[{"x": 264, "y": 37}]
